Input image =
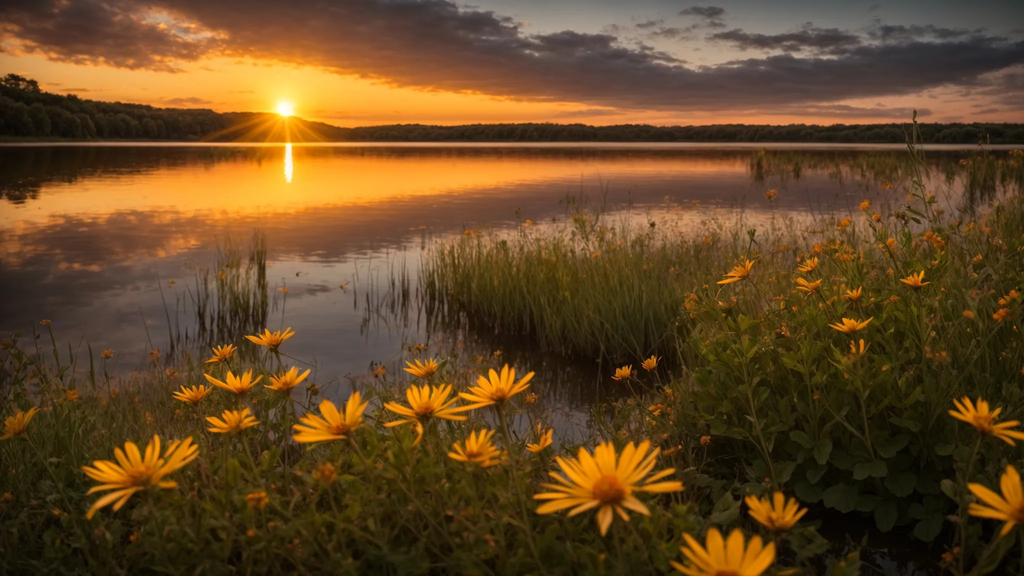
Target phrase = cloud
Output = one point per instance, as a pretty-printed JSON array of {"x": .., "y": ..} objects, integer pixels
[
  {"x": 828, "y": 40},
  {"x": 187, "y": 101},
  {"x": 709, "y": 16},
  {"x": 437, "y": 45},
  {"x": 900, "y": 33}
]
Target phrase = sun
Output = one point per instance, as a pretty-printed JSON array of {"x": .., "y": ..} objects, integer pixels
[{"x": 285, "y": 109}]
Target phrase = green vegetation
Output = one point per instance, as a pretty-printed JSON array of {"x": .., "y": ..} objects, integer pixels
[
  {"x": 817, "y": 359},
  {"x": 28, "y": 112}
]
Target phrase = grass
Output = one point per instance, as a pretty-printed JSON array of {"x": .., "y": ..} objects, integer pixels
[{"x": 754, "y": 393}]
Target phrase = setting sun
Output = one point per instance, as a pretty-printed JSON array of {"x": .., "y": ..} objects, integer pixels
[{"x": 285, "y": 108}]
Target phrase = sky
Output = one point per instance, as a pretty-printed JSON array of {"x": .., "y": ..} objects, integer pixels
[{"x": 662, "y": 62}]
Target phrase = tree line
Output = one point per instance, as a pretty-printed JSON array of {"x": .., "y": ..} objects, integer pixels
[{"x": 28, "y": 112}]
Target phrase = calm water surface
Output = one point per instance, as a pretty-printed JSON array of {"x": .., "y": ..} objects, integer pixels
[{"x": 91, "y": 237}]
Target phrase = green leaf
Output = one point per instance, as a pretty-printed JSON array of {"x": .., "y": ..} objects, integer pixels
[
  {"x": 948, "y": 488},
  {"x": 868, "y": 502},
  {"x": 885, "y": 516},
  {"x": 726, "y": 510},
  {"x": 927, "y": 529},
  {"x": 901, "y": 484},
  {"x": 815, "y": 474},
  {"x": 944, "y": 449},
  {"x": 807, "y": 492},
  {"x": 890, "y": 448},
  {"x": 841, "y": 497},
  {"x": 822, "y": 450},
  {"x": 875, "y": 468},
  {"x": 801, "y": 438}
]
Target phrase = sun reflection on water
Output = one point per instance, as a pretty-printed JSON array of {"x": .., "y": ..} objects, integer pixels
[{"x": 289, "y": 168}]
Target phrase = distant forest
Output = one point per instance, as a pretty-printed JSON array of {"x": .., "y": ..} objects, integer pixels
[{"x": 26, "y": 112}]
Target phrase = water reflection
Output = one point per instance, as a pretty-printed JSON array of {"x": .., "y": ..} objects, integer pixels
[
  {"x": 289, "y": 168},
  {"x": 91, "y": 236}
]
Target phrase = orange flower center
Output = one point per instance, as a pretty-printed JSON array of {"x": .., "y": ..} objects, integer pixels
[
  {"x": 609, "y": 490},
  {"x": 339, "y": 429},
  {"x": 726, "y": 572},
  {"x": 139, "y": 475},
  {"x": 1018, "y": 513}
]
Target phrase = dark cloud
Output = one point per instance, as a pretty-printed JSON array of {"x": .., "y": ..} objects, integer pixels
[
  {"x": 710, "y": 16},
  {"x": 900, "y": 33},
  {"x": 828, "y": 40},
  {"x": 436, "y": 45}
]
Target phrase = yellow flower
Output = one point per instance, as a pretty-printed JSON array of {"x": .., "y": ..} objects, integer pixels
[
  {"x": 238, "y": 384},
  {"x": 705, "y": 440},
  {"x": 771, "y": 193},
  {"x": 650, "y": 364},
  {"x": 865, "y": 205},
  {"x": 876, "y": 217},
  {"x": 257, "y": 500},
  {"x": 1009, "y": 298},
  {"x": 530, "y": 398},
  {"x": 775, "y": 514},
  {"x": 1009, "y": 507},
  {"x": 234, "y": 421},
  {"x": 426, "y": 402},
  {"x": 192, "y": 395},
  {"x": 331, "y": 424},
  {"x": 855, "y": 351},
  {"x": 623, "y": 373},
  {"x": 606, "y": 482},
  {"x": 979, "y": 416},
  {"x": 915, "y": 281},
  {"x": 968, "y": 314},
  {"x": 272, "y": 340},
  {"x": 134, "y": 472},
  {"x": 222, "y": 353},
  {"x": 71, "y": 395},
  {"x": 738, "y": 273},
  {"x": 854, "y": 295},
  {"x": 18, "y": 423},
  {"x": 726, "y": 558},
  {"x": 1001, "y": 314},
  {"x": 808, "y": 287},
  {"x": 422, "y": 369},
  {"x": 379, "y": 371},
  {"x": 809, "y": 265},
  {"x": 288, "y": 380},
  {"x": 326, "y": 473},
  {"x": 107, "y": 353},
  {"x": 843, "y": 224},
  {"x": 543, "y": 442},
  {"x": 477, "y": 449},
  {"x": 891, "y": 244},
  {"x": 850, "y": 326},
  {"x": 495, "y": 388}
]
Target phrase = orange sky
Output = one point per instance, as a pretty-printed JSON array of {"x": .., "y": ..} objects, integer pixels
[{"x": 564, "y": 61}]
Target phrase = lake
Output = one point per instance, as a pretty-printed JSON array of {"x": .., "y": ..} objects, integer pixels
[{"x": 104, "y": 240}]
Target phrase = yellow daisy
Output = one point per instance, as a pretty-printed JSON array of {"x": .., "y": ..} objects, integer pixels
[
  {"x": 650, "y": 364},
  {"x": 18, "y": 423},
  {"x": 331, "y": 424},
  {"x": 1009, "y": 507},
  {"x": 726, "y": 558},
  {"x": 134, "y": 472},
  {"x": 422, "y": 369},
  {"x": 477, "y": 449},
  {"x": 623, "y": 373},
  {"x": 979, "y": 416},
  {"x": 496, "y": 388},
  {"x": 775, "y": 514},
  {"x": 234, "y": 421},
  {"x": 808, "y": 287},
  {"x": 738, "y": 273},
  {"x": 606, "y": 481},
  {"x": 809, "y": 265},
  {"x": 222, "y": 353},
  {"x": 238, "y": 384},
  {"x": 290, "y": 379},
  {"x": 272, "y": 340},
  {"x": 851, "y": 326},
  {"x": 192, "y": 395},
  {"x": 915, "y": 281},
  {"x": 854, "y": 295},
  {"x": 426, "y": 402},
  {"x": 543, "y": 442}
]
